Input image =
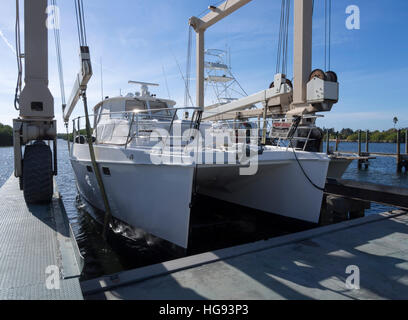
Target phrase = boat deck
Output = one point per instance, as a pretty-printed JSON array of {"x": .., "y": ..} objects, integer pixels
[
  {"x": 306, "y": 265},
  {"x": 33, "y": 238}
]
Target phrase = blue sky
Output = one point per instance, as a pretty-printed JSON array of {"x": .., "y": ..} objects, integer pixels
[{"x": 137, "y": 39}]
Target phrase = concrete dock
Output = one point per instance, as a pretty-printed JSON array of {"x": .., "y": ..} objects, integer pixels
[
  {"x": 306, "y": 265},
  {"x": 34, "y": 240}
]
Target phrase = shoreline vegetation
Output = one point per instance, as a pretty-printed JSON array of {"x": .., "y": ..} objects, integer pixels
[
  {"x": 349, "y": 135},
  {"x": 6, "y": 136},
  {"x": 345, "y": 135}
]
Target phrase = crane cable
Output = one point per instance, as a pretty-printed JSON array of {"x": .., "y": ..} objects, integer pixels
[
  {"x": 59, "y": 55},
  {"x": 188, "y": 67},
  {"x": 282, "y": 56},
  {"x": 327, "y": 34},
  {"x": 80, "y": 17},
  {"x": 58, "y": 51},
  {"x": 19, "y": 58}
]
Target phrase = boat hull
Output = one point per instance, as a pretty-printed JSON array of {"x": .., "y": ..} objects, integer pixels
[
  {"x": 338, "y": 167},
  {"x": 157, "y": 198},
  {"x": 150, "y": 197},
  {"x": 279, "y": 186}
]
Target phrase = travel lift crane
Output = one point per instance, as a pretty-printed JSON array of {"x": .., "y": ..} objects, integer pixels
[
  {"x": 312, "y": 91},
  {"x": 36, "y": 124}
]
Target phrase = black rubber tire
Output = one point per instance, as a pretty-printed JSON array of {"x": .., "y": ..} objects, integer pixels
[
  {"x": 37, "y": 174},
  {"x": 20, "y": 183}
]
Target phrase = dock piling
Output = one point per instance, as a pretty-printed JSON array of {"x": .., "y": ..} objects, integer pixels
[
  {"x": 337, "y": 142},
  {"x": 367, "y": 141},
  {"x": 328, "y": 142},
  {"x": 360, "y": 162},
  {"x": 399, "y": 162},
  {"x": 406, "y": 141},
  {"x": 359, "y": 142}
]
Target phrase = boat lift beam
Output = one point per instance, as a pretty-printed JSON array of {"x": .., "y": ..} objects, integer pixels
[
  {"x": 219, "y": 112},
  {"x": 303, "y": 13},
  {"x": 81, "y": 82}
]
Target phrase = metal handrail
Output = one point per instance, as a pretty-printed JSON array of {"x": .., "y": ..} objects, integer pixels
[
  {"x": 139, "y": 117},
  {"x": 233, "y": 124},
  {"x": 138, "y": 114}
]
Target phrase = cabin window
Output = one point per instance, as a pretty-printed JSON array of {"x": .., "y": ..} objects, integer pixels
[
  {"x": 159, "y": 106},
  {"x": 135, "y": 105}
]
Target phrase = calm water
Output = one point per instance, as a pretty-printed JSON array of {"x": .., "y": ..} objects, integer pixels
[{"x": 119, "y": 254}]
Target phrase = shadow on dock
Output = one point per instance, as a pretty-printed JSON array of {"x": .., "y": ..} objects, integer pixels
[{"x": 307, "y": 265}]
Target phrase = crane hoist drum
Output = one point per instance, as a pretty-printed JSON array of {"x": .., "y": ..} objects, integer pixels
[
  {"x": 288, "y": 82},
  {"x": 326, "y": 76}
]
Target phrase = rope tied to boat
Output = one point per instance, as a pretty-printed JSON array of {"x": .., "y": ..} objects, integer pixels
[{"x": 291, "y": 137}]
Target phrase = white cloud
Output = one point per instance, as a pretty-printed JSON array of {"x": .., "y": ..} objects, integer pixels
[{"x": 7, "y": 42}]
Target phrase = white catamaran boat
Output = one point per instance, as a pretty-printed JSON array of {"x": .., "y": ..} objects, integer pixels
[
  {"x": 152, "y": 162},
  {"x": 150, "y": 182}
]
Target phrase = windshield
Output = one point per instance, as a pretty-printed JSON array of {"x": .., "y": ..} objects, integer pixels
[
  {"x": 135, "y": 105},
  {"x": 159, "y": 106}
]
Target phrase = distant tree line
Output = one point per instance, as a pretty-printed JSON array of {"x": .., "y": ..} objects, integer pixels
[
  {"x": 64, "y": 136},
  {"x": 6, "y": 136},
  {"x": 374, "y": 136}
]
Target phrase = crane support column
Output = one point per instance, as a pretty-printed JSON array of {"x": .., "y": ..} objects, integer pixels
[
  {"x": 200, "y": 25},
  {"x": 36, "y": 100},
  {"x": 36, "y": 122},
  {"x": 302, "y": 63},
  {"x": 200, "y": 69}
]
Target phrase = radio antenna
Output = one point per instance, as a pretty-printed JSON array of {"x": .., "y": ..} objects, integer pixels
[{"x": 101, "y": 79}]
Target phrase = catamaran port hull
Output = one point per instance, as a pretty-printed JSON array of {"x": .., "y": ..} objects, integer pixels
[{"x": 151, "y": 197}]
